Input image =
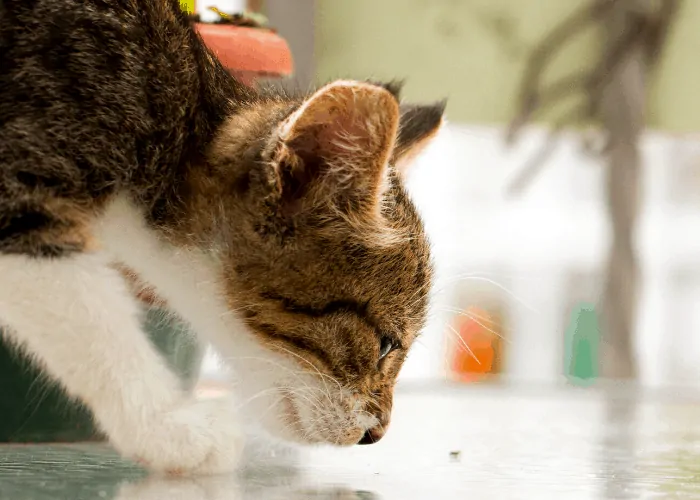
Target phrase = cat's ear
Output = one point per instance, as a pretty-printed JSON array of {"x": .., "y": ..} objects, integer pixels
[
  {"x": 418, "y": 125},
  {"x": 337, "y": 144},
  {"x": 393, "y": 86}
]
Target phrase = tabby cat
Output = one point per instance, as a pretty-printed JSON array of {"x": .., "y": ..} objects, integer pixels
[{"x": 277, "y": 226}]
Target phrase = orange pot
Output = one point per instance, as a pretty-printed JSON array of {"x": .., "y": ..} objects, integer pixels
[{"x": 249, "y": 53}]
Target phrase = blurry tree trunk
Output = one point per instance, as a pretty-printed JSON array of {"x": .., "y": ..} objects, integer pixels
[
  {"x": 614, "y": 92},
  {"x": 623, "y": 103}
]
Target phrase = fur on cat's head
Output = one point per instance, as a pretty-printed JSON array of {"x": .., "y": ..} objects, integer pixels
[{"x": 327, "y": 262}]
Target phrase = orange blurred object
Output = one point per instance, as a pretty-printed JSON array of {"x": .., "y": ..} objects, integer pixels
[
  {"x": 249, "y": 53},
  {"x": 477, "y": 347}
]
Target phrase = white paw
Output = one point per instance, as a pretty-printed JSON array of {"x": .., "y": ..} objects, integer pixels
[{"x": 199, "y": 437}]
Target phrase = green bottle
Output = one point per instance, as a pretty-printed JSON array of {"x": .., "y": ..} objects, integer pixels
[{"x": 581, "y": 346}]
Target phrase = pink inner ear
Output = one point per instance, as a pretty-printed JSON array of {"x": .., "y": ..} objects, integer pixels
[{"x": 346, "y": 122}]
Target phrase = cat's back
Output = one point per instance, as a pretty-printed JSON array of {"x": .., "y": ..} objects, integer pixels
[
  {"x": 98, "y": 97},
  {"x": 100, "y": 90}
]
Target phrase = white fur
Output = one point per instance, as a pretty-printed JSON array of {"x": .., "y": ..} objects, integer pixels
[{"x": 77, "y": 318}]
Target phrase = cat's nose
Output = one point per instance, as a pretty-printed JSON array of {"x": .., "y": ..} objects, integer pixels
[{"x": 372, "y": 435}]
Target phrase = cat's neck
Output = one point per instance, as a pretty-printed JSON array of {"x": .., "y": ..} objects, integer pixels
[{"x": 220, "y": 99}]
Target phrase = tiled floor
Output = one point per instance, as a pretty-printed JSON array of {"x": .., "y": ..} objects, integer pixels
[{"x": 445, "y": 443}]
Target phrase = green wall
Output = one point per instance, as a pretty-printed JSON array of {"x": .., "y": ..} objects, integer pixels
[{"x": 473, "y": 52}]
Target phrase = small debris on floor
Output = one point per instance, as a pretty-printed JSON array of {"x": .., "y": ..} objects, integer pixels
[{"x": 455, "y": 455}]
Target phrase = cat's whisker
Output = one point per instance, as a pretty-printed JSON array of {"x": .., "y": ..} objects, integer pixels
[
  {"x": 308, "y": 393},
  {"x": 297, "y": 392},
  {"x": 258, "y": 395},
  {"x": 504, "y": 289},
  {"x": 43, "y": 392},
  {"x": 297, "y": 374},
  {"x": 479, "y": 321},
  {"x": 316, "y": 370},
  {"x": 274, "y": 404},
  {"x": 365, "y": 412},
  {"x": 316, "y": 403},
  {"x": 472, "y": 314},
  {"x": 464, "y": 343}
]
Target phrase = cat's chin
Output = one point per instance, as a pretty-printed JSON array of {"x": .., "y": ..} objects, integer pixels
[
  {"x": 283, "y": 436},
  {"x": 287, "y": 426}
]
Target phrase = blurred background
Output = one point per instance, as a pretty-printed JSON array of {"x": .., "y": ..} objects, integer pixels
[{"x": 562, "y": 196}]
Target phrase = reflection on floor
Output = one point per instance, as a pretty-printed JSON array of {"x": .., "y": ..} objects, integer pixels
[{"x": 445, "y": 443}]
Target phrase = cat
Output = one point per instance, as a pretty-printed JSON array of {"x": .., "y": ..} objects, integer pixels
[{"x": 277, "y": 226}]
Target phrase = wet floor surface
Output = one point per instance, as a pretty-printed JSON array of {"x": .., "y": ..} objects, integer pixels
[{"x": 445, "y": 443}]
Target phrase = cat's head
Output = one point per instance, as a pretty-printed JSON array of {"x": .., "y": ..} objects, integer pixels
[{"x": 329, "y": 266}]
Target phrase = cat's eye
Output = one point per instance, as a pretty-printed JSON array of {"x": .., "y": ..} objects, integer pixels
[{"x": 385, "y": 347}]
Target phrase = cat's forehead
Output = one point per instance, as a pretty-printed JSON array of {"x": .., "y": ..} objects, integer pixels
[{"x": 390, "y": 263}]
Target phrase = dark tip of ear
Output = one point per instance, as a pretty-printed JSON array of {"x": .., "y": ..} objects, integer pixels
[
  {"x": 419, "y": 121},
  {"x": 441, "y": 106},
  {"x": 426, "y": 112},
  {"x": 393, "y": 87}
]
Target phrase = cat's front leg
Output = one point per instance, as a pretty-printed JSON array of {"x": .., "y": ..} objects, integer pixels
[{"x": 76, "y": 318}]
